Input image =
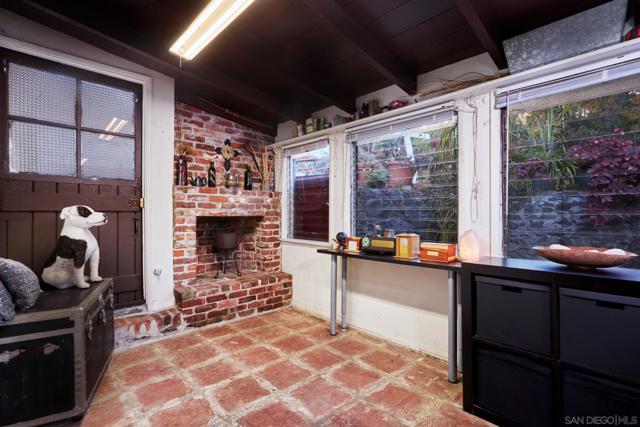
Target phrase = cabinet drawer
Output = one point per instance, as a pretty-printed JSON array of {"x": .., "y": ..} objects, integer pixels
[
  {"x": 514, "y": 313},
  {"x": 588, "y": 396},
  {"x": 515, "y": 388},
  {"x": 600, "y": 332}
]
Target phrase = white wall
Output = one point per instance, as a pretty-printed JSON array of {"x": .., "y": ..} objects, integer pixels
[{"x": 29, "y": 37}]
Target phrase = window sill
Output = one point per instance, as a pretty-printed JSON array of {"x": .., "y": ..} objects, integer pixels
[{"x": 305, "y": 243}]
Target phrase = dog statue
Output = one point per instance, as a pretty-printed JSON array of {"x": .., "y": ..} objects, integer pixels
[{"x": 76, "y": 246}]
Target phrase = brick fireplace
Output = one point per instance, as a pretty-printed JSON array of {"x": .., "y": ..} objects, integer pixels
[{"x": 203, "y": 294}]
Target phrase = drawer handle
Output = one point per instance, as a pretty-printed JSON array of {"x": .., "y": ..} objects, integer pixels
[
  {"x": 512, "y": 289},
  {"x": 613, "y": 305}
]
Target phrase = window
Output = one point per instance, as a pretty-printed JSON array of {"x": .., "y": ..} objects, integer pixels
[
  {"x": 406, "y": 177},
  {"x": 63, "y": 121},
  {"x": 573, "y": 169},
  {"x": 308, "y": 191}
]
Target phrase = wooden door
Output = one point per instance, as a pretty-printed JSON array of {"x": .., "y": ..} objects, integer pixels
[{"x": 70, "y": 137}]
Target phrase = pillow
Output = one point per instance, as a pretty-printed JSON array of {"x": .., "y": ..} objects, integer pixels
[
  {"x": 21, "y": 282},
  {"x": 7, "y": 310}
]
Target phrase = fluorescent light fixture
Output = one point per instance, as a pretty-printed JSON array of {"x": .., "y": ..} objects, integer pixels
[
  {"x": 208, "y": 24},
  {"x": 115, "y": 125}
]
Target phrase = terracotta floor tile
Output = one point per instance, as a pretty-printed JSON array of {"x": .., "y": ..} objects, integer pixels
[
  {"x": 319, "y": 358},
  {"x": 216, "y": 332},
  {"x": 292, "y": 377},
  {"x": 122, "y": 359},
  {"x": 247, "y": 324},
  {"x": 104, "y": 414},
  {"x": 180, "y": 342},
  {"x": 385, "y": 361},
  {"x": 268, "y": 333},
  {"x": 236, "y": 343},
  {"x": 145, "y": 371},
  {"x": 213, "y": 373},
  {"x": 363, "y": 415},
  {"x": 299, "y": 324},
  {"x": 451, "y": 416},
  {"x": 239, "y": 392},
  {"x": 354, "y": 376},
  {"x": 187, "y": 357},
  {"x": 107, "y": 387},
  {"x": 257, "y": 356},
  {"x": 421, "y": 374},
  {"x": 284, "y": 374},
  {"x": 318, "y": 334},
  {"x": 320, "y": 397},
  {"x": 194, "y": 413},
  {"x": 292, "y": 344},
  {"x": 276, "y": 415},
  {"x": 399, "y": 399},
  {"x": 350, "y": 347},
  {"x": 161, "y": 392}
]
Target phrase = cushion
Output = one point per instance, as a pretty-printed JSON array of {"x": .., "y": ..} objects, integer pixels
[
  {"x": 7, "y": 310},
  {"x": 21, "y": 282}
]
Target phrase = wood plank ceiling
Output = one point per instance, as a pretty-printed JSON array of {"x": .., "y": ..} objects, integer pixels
[{"x": 283, "y": 59}]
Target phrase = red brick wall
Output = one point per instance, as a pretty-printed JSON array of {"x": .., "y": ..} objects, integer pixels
[{"x": 203, "y": 132}]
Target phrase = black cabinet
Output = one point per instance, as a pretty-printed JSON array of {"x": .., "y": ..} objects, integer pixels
[
  {"x": 514, "y": 313},
  {"x": 544, "y": 345},
  {"x": 600, "y": 331},
  {"x": 527, "y": 401},
  {"x": 585, "y": 395}
]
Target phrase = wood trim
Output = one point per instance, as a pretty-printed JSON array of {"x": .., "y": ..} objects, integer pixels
[{"x": 474, "y": 18}]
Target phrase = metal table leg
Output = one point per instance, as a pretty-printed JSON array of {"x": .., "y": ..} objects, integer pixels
[
  {"x": 334, "y": 292},
  {"x": 453, "y": 326},
  {"x": 344, "y": 293}
]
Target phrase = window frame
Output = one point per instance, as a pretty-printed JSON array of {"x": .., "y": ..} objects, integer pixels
[
  {"x": 287, "y": 234},
  {"x": 353, "y": 165},
  {"x": 79, "y": 75}
]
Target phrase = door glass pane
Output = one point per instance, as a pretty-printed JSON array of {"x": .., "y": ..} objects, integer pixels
[
  {"x": 108, "y": 108},
  {"x": 107, "y": 156},
  {"x": 39, "y": 149},
  {"x": 41, "y": 94}
]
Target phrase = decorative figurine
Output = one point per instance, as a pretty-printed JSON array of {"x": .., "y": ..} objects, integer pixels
[
  {"x": 341, "y": 240},
  {"x": 227, "y": 153},
  {"x": 211, "y": 181},
  {"x": 198, "y": 181}
]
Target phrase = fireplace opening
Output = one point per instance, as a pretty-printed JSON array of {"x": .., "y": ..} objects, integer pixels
[{"x": 226, "y": 246}]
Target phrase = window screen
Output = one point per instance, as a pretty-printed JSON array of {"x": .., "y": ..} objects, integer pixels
[
  {"x": 406, "y": 177},
  {"x": 573, "y": 169},
  {"x": 66, "y": 122},
  {"x": 308, "y": 188}
]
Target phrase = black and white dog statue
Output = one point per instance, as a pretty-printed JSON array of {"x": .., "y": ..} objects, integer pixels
[{"x": 76, "y": 246}]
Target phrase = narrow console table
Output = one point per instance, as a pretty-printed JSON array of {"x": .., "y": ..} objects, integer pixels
[
  {"x": 545, "y": 345},
  {"x": 452, "y": 269}
]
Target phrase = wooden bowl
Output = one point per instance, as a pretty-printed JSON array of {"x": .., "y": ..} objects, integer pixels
[{"x": 581, "y": 257}]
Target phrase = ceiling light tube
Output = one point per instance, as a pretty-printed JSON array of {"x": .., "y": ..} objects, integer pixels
[{"x": 208, "y": 25}]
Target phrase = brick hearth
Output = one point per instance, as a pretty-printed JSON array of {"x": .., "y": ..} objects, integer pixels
[{"x": 208, "y": 300}]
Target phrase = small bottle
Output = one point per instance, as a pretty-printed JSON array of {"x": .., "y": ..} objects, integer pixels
[
  {"x": 248, "y": 178},
  {"x": 211, "y": 180},
  {"x": 364, "y": 110}
]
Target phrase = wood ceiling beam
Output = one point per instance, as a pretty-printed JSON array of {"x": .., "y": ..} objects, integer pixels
[
  {"x": 474, "y": 17},
  {"x": 217, "y": 83},
  {"x": 367, "y": 47}
]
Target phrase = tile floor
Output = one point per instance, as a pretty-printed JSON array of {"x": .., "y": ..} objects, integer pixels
[{"x": 279, "y": 369}]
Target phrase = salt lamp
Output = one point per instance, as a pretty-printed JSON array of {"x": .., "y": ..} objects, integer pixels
[{"x": 469, "y": 246}]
